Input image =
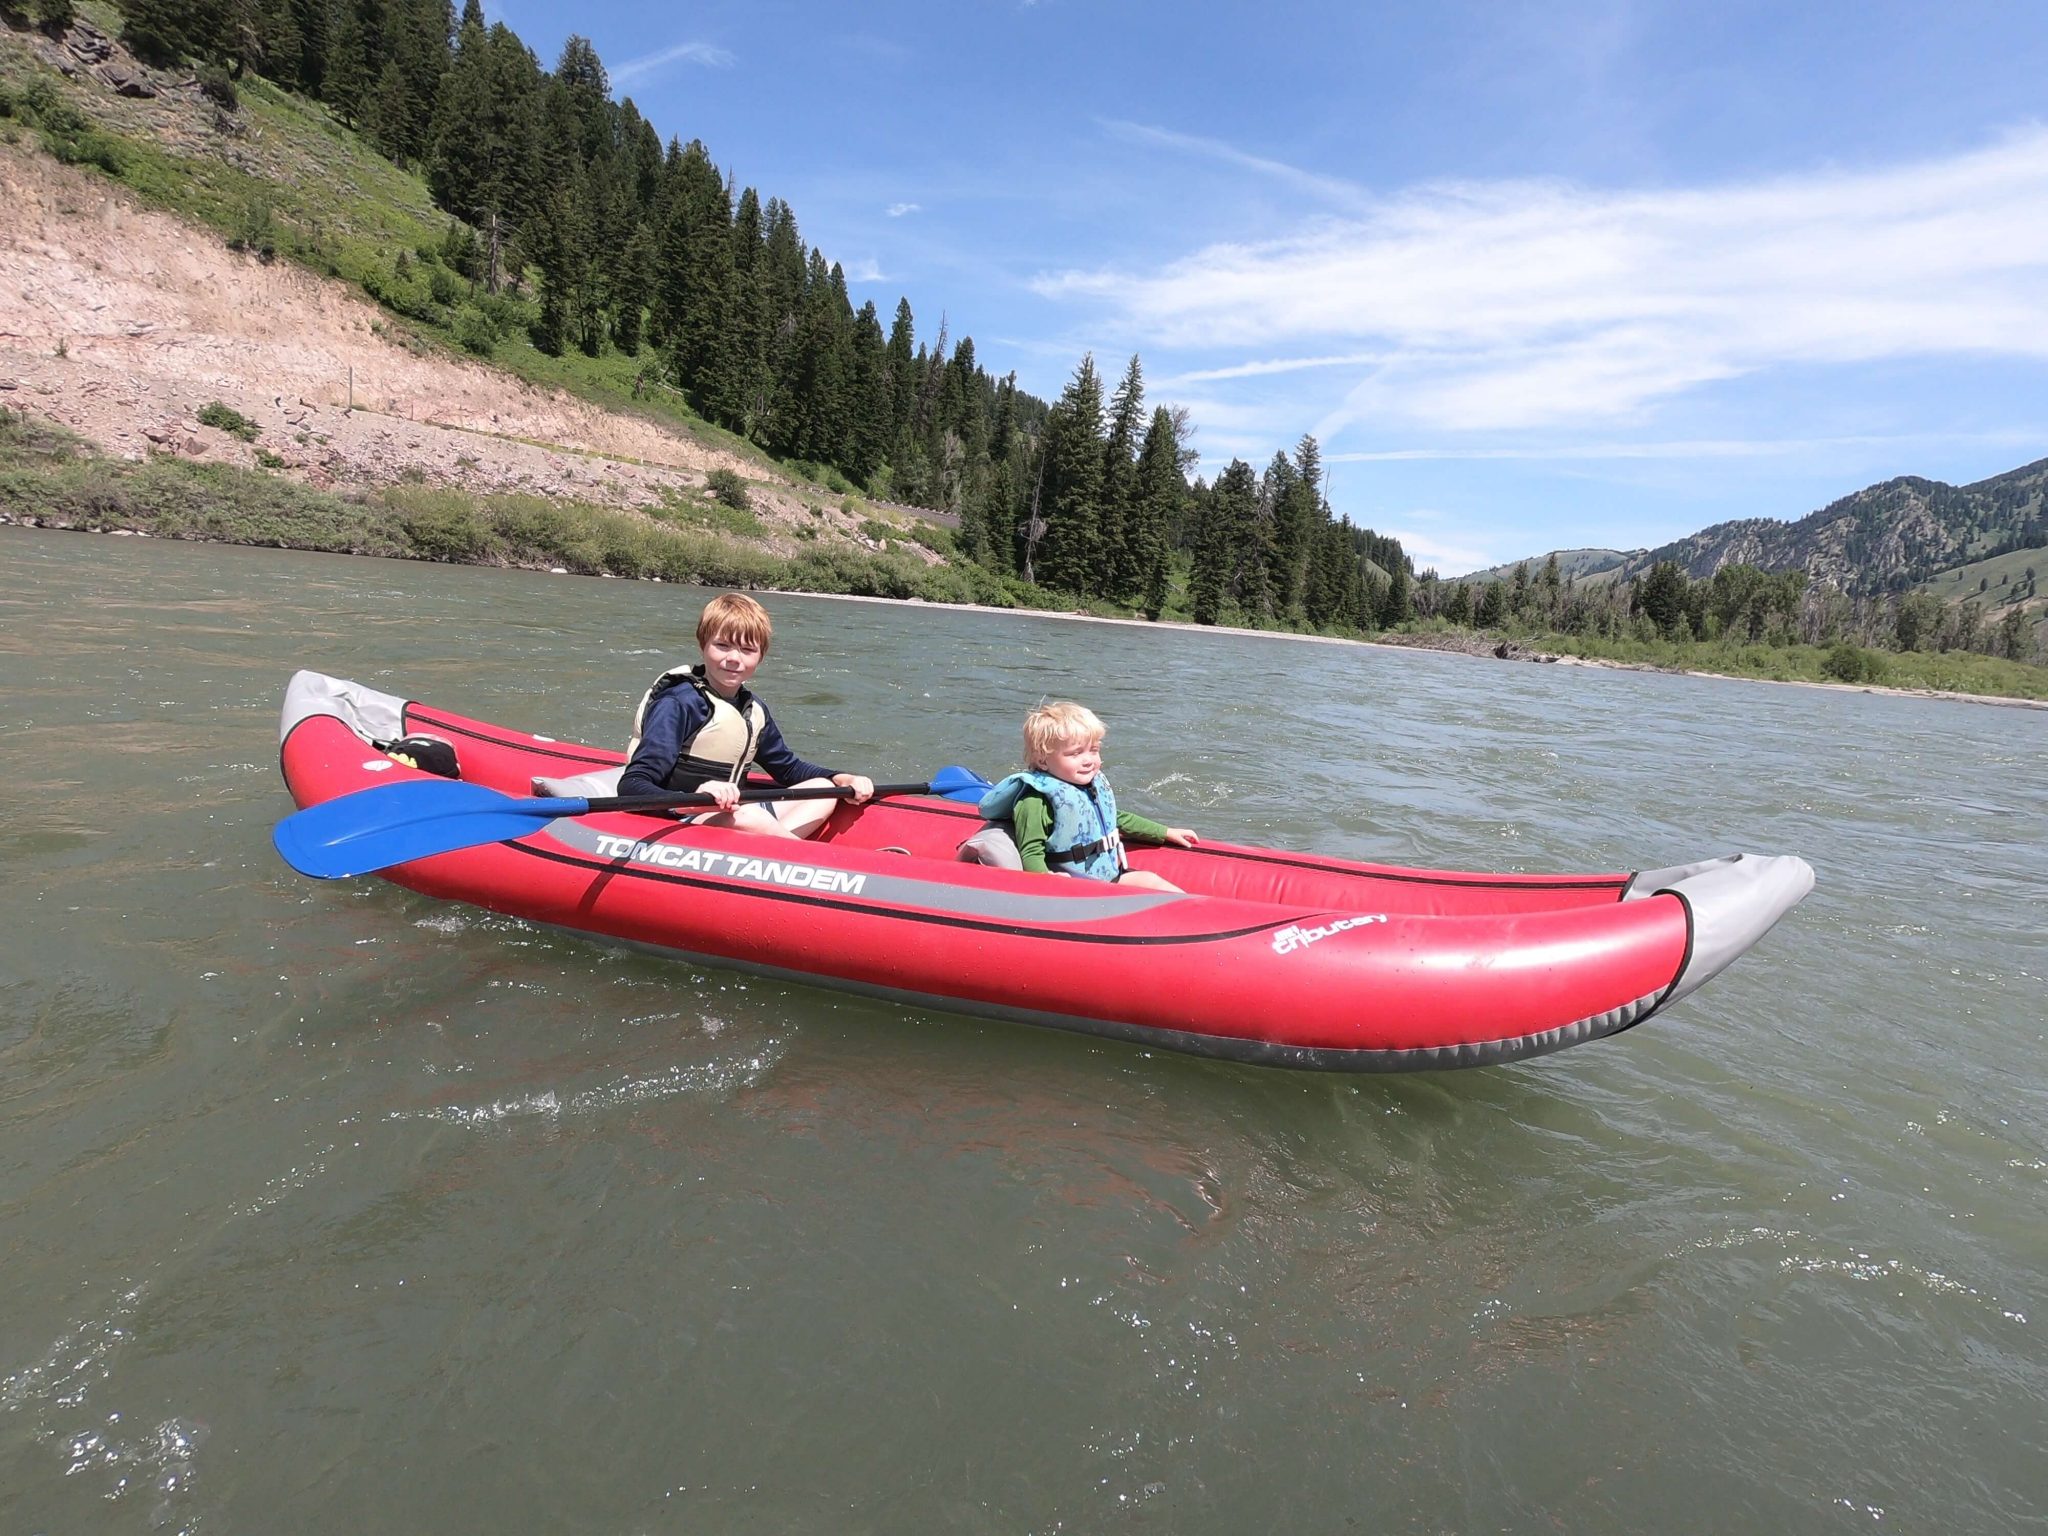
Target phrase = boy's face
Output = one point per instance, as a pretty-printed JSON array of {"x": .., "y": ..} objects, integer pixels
[
  {"x": 728, "y": 663},
  {"x": 1076, "y": 760}
]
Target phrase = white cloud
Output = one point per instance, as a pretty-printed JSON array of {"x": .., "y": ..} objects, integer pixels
[
  {"x": 865, "y": 270},
  {"x": 897, "y": 210},
  {"x": 707, "y": 54},
  {"x": 1541, "y": 304},
  {"x": 1428, "y": 550}
]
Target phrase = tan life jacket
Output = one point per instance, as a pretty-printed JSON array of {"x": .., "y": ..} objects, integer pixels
[{"x": 723, "y": 749}]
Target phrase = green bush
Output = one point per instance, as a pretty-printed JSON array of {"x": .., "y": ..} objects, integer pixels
[
  {"x": 935, "y": 538},
  {"x": 447, "y": 528},
  {"x": 42, "y": 101},
  {"x": 217, "y": 88},
  {"x": 217, "y": 414},
  {"x": 254, "y": 230},
  {"x": 23, "y": 436},
  {"x": 1844, "y": 663},
  {"x": 474, "y": 330},
  {"x": 729, "y": 490}
]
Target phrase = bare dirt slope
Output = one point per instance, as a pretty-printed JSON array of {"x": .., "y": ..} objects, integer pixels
[{"x": 120, "y": 323}]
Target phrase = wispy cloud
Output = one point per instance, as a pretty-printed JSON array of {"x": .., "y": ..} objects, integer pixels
[
  {"x": 1330, "y": 189},
  {"x": 1491, "y": 306},
  {"x": 707, "y": 54},
  {"x": 1698, "y": 448},
  {"x": 1263, "y": 369},
  {"x": 897, "y": 210},
  {"x": 865, "y": 270}
]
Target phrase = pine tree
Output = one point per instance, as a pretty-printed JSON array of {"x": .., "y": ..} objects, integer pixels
[
  {"x": 1222, "y": 538},
  {"x": 870, "y": 404},
  {"x": 357, "y": 58},
  {"x": 1008, "y": 449},
  {"x": 1158, "y": 494},
  {"x": 310, "y": 22},
  {"x": 586, "y": 96},
  {"x": 1298, "y": 514},
  {"x": 903, "y": 372},
  {"x": 480, "y": 161},
  {"x": 779, "y": 302},
  {"x": 558, "y": 242},
  {"x": 1070, "y": 556},
  {"x": 420, "y": 46},
  {"x": 386, "y": 111},
  {"x": 1328, "y": 577},
  {"x": 695, "y": 288},
  {"x": 817, "y": 387},
  {"x": 1123, "y": 566},
  {"x": 163, "y": 31}
]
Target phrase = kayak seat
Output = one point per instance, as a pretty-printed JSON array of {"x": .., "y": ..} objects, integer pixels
[{"x": 992, "y": 846}]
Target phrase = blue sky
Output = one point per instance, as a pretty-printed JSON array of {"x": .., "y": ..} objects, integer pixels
[{"x": 1537, "y": 276}]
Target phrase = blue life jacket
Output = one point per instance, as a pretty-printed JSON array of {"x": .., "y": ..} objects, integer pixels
[{"x": 1083, "y": 840}]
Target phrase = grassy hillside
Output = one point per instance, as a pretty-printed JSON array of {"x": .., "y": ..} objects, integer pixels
[
  {"x": 1577, "y": 564},
  {"x": 279, "y": 175},
  {"x": 1998, "y": 583}
]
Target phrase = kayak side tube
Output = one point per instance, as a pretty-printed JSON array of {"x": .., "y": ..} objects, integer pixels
[{"x": 1730, "y": 903}]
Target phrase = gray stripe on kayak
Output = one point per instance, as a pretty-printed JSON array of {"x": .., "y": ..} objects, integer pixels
[{"x": 1066, "y": 901}]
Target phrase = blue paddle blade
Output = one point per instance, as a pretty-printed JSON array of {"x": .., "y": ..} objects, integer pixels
[
  {"x": 391, "y": 824},
  {"x": 957, "y": 783}
]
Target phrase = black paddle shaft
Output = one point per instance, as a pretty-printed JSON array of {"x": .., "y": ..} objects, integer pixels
[{"x": 698, "y": 800}]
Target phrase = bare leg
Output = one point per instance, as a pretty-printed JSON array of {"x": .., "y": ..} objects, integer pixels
[
  {"x": 799, "y": 818},
  {"x": 1145, "y": 880}
]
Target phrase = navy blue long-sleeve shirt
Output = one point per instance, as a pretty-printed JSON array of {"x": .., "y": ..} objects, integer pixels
[{"x": 678, "y": 715}]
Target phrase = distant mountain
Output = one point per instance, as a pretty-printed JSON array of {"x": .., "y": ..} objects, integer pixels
[
  {"x": 1578, "y": 563},
  {"x": 1888, "y": 537}
]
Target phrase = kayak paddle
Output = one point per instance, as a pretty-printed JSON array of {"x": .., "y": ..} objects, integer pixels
[{"x": 373, "y": 829}]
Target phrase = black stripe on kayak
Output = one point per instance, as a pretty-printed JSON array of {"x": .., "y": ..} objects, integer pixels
[
  {"x": 1315, "y": 865},
  {"x": 628, "y": 870},
  {"x": 528, "y": 744}
]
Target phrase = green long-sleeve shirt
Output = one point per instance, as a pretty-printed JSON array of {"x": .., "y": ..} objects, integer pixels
[{"x": 1032, "y": 817}]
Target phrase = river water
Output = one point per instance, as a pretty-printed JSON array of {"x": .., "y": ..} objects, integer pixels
[{"x": 327, "y": 1208}]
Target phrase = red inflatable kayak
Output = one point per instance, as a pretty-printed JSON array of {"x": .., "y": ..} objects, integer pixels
[{"x": 1285, "y": 959}]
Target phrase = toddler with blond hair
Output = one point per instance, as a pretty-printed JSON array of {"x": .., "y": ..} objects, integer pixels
[{"x": 1063, "y": 813}]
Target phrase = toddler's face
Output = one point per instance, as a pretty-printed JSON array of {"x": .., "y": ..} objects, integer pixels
[{"x": 1076, "y": 761}]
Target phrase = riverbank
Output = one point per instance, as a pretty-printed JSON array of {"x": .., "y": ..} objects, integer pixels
[
  {"x": 1481, "y": 647},
  {"x": 537, "y": 534}
]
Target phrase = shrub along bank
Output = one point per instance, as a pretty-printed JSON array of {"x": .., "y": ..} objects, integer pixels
[{"x": 48, "y": 479}]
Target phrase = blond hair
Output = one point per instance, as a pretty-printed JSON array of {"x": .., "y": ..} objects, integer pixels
[
  {"x": 735, "y": 617},
  {"x": 1051, "y": 726}
]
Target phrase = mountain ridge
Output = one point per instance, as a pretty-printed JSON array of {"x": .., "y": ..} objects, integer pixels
[{"x": 1889, "y": 536}]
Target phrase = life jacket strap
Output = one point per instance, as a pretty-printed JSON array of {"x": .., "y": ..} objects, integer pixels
[{"x": 1079, "y": 854}]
